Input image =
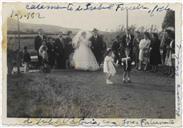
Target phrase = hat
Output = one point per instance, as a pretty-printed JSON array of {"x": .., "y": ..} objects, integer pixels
[
  {"x": 69, "y": 32},
  {"x": 94, "y": 30}
]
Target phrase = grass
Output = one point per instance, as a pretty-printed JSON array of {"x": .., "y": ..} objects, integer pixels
[{"x": 67, "y": 94}]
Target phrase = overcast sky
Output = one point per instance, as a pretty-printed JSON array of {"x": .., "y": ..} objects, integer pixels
[{"x": 109, "y": 20}]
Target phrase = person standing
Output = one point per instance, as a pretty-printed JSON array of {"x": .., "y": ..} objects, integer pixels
[
  {"x": 98, "y": 46},
  {"x": 83, "y": 57},
  {"x": 43, "y": 52},
  {"x": 26, "y": 59},
  {"x": 115, "y": 49},
  {"x": 155, "y": 57},
  {"x": 38, "y": 42},
  {"x": 170, "y": 56},
  {"x": 144, "y": 51},
  {"x": 11, "y": 60},
  {"x": 51, "y": 52},
  {"x": 136, "y": 42},
  {"x": 68, "y": 49},
  {"x": 59, "y": 51},
  {"x": 165, "y": 42},
  {"x": 126, "y": 55}
]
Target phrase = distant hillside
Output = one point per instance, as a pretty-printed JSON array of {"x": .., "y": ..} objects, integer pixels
[
  {"x": 26, "y": 28},
  {"x": 33, "y": 28}
]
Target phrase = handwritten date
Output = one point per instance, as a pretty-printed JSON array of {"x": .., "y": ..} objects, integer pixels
[{"x": 27, "y": 15}]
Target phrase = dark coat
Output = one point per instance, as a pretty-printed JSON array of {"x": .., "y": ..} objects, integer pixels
[
  {"x": 60, "y": 53},
  {"x": 59, "y": 47},
  {"x": 26, "y": 57},
  {"x": 98, "y": 47},
  {"x": 155, "y": 57},
  {"x": 116, "y": 46},
  {"x": 68, "y": 47},
  {"x": 127, "y": 44},
  {"x": 116, "y": 50},
  {"x": 51, "y": 53}
]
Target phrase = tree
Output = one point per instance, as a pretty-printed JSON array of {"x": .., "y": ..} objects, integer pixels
[{"x": 169, "y": 20}]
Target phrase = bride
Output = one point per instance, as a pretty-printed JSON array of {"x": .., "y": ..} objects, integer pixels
[{"x": 83, "y": 57}]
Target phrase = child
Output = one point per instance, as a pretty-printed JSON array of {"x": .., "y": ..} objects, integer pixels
[
  {"x": 26, "y": 59},
  {"x": 109, "y": 68},
  {"x": 44, "y": 55}
]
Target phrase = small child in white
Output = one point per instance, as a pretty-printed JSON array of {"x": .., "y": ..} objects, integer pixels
[{"x": 109, "y": 68}]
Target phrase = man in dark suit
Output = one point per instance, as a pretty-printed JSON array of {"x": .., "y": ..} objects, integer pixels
[
  {"x": 38, "y": 42},
  {"x": 126, "y": 55},
  {"x": 127, "y": 42},
  {"x": 98, "y": 46},
  {"x": 60, "y": 52},
  {"x": 51, "y": 52},
  {"x": 68, "y": 48}
]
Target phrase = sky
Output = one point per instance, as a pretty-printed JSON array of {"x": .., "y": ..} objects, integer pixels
[{"x": 105, "y": 20}]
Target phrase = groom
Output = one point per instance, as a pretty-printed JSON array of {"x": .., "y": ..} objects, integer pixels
[
  {"x": 98, "y": 46},
  {"x": 60, "y": 51}
]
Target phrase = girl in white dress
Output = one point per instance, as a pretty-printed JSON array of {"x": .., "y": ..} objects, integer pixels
[
  {"x": 109, "y": 68},
  {"x": 83, "y": 57}
]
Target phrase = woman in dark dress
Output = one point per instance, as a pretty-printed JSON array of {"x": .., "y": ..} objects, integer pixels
[{"x": 155, "y": 57}]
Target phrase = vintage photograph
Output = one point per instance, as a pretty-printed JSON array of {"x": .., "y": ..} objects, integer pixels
[{"x": 90, "y": 60}]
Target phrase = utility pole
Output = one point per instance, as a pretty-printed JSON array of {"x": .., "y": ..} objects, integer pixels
[
  {"x": 18, "y": 56},
  {"x": 126, "y": 19}
]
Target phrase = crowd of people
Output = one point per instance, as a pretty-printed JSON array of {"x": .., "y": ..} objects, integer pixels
[
  {"x": 88, "y": 51},
  {"x": 54, "y": 52},
  {"x": 147, "y": 50},
  {"x": 58, "y": 53}
]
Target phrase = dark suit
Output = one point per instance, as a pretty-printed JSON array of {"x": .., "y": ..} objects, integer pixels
[
  {"x": 68, "y": 47},
  {"x": 98, "y": 47},
  {"x": 51, "y": 54},
  {"x": 59, "y": 53},
  {"x": 127, "y": 44}
]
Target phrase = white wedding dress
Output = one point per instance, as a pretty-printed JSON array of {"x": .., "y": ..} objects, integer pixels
[{"x": 83, "y": 57}]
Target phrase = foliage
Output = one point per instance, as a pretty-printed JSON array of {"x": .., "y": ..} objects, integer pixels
[{"x": 169, "y": 20}]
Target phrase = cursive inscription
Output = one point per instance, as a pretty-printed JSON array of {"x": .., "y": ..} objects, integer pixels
[
  {"x": 178, "y": 59},
  {"x": 159, "y": 8},
  {"x": 99, "y": 6}
]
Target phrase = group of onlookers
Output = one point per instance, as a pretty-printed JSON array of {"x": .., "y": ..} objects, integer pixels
[
  {"x": 54, "y": 52},
  {"x": 147, "y": 50},
  {"x": 51, "y": 52},
  {"x": 58, "y": 52}
]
